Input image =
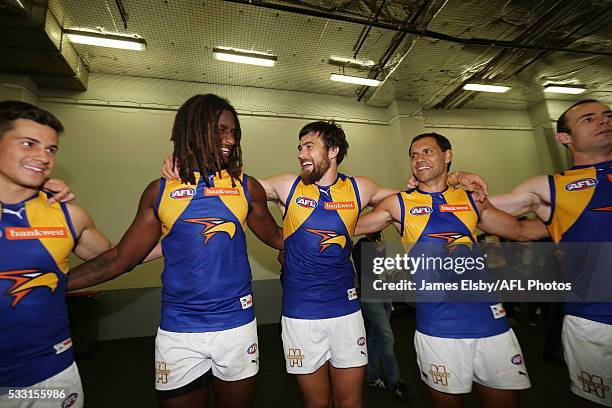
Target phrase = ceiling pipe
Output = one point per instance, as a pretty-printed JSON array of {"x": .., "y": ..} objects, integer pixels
[
  {"x": 482, "y": 42},
  {"x": 366, "y": 31}
]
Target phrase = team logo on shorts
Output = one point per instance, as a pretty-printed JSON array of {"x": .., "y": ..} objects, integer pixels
[
  {"x": 593, "y": 384},
  {"x": 27, "y": 280},
  {"x": 182, "y": 193},
  {"x": 306, "y": 202},
  {"x": 161, "y": 372},
  {"x": 581, "y": 184},
  {"x": 295, "y": 357},
  {"x": 328, "y": 238},
  {"x": 361, "y": 341},
  {"x": 439, "y": 374},
  {"x": 213, "y": 226},
  {"x": 252, "y": 348},
  {"x": 70, "y": 400},
  {"x": 517, "y": 359},
  {"x": 421, "y": 210}
]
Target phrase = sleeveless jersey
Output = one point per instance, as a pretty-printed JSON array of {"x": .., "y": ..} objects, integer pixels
[
  {"x": 35, "y": 241},
  {"x": 318, "y": 225},
  {"x": 206, "y": 282},
  {"x": 448, "y": 219},
  {"x": 581, "y": 203}
]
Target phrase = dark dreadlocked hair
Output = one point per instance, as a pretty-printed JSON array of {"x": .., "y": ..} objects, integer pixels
[{"x": 197, "y": 141}]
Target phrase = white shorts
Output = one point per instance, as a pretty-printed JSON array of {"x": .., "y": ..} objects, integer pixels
[
  {"x": 308, "y": 344},
  {"x": 451, "y": 365},
  {"x": 181, "y": 358},
  {"x": 64, "y": 388},
  {"x": 587, "y": 346}
]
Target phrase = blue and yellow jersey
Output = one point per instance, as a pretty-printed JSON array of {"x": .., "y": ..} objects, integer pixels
[
  {"x": 581, "y": 211},
  {"x": 318, "y": 225},
  {"x": 206, "y": 282},
  {"x": 447, "y": 219},
  {"x": 35, "y": 241}
]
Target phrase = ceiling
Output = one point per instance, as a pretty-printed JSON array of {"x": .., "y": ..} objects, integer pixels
[{"x": 423, "y": 50}]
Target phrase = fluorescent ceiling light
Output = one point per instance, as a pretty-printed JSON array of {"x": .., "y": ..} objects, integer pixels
[
  {"x": 486, "y": 88},
  {"x": 354, "y": 80},
  {"x": 106, "y": 40},
  {"x": 573, "y": 90},
  {"x": 244, "y": 57}
]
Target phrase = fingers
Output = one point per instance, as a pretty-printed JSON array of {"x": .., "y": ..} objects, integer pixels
[
  {"x": 62, "y": 197},
  {"x": 412, "y": 182}
]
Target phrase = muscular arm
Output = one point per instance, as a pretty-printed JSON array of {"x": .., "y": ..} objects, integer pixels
[
  {"x": 384, "y": 214},
  {"x": 371, "y": 193},
  {"x": 136, "y": 243},
  {"x": 497, "y": 222},
  {"x": 531, "y": 195},
  {"x": 259, "y": 220},
  {"x": 90, "y": 241}
]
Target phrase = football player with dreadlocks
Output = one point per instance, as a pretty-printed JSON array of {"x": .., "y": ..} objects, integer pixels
[{"x": 208, "y": 328}]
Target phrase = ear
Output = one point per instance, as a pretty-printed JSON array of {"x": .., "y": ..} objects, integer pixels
[
  {"x": 332, "y": 153},
  {"x": 563, "y": 138},
  {"x": 448, "y": 156}
]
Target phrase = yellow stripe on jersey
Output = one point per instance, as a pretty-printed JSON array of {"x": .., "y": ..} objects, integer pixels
[
  {"x": 574, "y": 200},
  {"x": 39, "y": 216},
  {"x": 459, "y": 198},
  {"x": 235, "y": 202},
  {"x": 296, "y": 214},
  {"x": 171, "y": 208},
  {"x": 414, "y": 224},
  {"x": 344, "y": 199}
]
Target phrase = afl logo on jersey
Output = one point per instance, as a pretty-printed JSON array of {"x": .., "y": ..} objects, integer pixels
[
  {"x": 181, "y": 193},
  {"x": 421, "y": 210},
  {"x": 581, "y": 184},
  {"x": 252, "y": 348},
  {"x": 306, "y": 202}
]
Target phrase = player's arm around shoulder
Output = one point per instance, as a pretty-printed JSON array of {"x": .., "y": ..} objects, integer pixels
[
  {"x": 531, "y": 195},
  {"x": 497, "y": 222},
  {"x": 90, "y": 242},
  {"x": 277, "y": 188},
  {"x": 138, "y": 241},
  {"x": 259, "y": 220},
  {"x": 387, "y": 212},
  {"x": 371, "y": 193}
]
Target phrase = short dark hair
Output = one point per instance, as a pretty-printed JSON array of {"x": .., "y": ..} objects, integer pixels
[
  {"x": 562, "y": 125},
  {"x": 10, "y": 111},
  {"x": 442, "y": 142},
  {"x": 331, "y": 134}
]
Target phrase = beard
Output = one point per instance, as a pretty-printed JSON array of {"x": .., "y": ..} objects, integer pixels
[{"x": 318, "y": 170}]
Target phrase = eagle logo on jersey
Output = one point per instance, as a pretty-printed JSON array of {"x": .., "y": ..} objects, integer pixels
[
  {"x": 453, "y": 240},
  {"x": 328, "y": 238},
  {"x": 26, "y": 280},
  {"x": 213, "y": 226}
]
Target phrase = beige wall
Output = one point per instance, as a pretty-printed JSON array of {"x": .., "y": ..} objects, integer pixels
[{"x": 108, "y": 154}]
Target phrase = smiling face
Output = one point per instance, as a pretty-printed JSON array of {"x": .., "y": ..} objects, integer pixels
[
  {"x": 226, "y": 128},
  {"x": 590, "y": 127},
  {"x": 428, "y": 161},
  {"x": 314, "y": 157},
  {"x": 27, "y": 154}
]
